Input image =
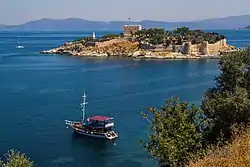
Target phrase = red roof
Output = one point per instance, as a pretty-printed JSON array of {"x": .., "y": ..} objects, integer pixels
[{"x": 99, "y": 118}]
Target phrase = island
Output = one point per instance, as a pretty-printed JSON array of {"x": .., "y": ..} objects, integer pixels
[
  {"x": 153, "y": 43},
  {"x": 246, "y": 28}
]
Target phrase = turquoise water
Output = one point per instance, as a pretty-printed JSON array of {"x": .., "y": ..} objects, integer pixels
[{"x": 38, "y": 92}]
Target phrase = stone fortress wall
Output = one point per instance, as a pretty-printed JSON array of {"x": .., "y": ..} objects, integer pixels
[
  {"x": 187, "y": 48},
  {"x": 204, "y": 48}
]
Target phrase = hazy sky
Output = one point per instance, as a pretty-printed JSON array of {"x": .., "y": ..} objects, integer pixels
[{"x": 21, "y": 11}]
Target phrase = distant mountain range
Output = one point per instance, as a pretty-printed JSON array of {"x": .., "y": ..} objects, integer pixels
[{"x": 231, "y": 22}]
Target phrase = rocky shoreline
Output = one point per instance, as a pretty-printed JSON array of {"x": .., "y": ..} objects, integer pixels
[
  {"x": 122, "y": 47},
  {"x": 134, "y": 55}
]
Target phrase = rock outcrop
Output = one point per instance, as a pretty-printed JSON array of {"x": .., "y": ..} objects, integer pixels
[{"x": 109, "y": 48}]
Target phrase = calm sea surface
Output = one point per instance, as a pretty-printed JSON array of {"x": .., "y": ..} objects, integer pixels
[{"x": 38, "y": 92}]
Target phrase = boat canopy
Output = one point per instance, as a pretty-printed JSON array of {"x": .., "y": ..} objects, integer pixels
[{"x": 99, "y": 118}]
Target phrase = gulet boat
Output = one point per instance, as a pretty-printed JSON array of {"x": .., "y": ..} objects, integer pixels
[{"x": 94, "y": 126}]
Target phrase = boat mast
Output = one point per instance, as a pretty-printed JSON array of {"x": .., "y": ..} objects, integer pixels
[{"x": 83, "y": 105}]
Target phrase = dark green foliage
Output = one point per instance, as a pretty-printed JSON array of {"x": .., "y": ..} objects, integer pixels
[
  {"x": 228, "y": 102},
  {"x": 167, "y": 42},
  {"x": 178, "y": 36},
  {"x": 183, "y": 31},
  {"x": 79, "y": 39},
  {"x": 153, "y": 35},
  {"x": 112, "y": 36},
  {"x": 179, "y": 41},
  {"x": 175, "y": 136},
  {"x": 84, "y": 39}
]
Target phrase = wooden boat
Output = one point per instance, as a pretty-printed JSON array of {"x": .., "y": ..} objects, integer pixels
[{"x": 95, "y": 126}]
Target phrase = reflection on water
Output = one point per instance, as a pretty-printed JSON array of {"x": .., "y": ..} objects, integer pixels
[
  {"x": 97, "y": 144},
  {"x": 104, "y": 150}
]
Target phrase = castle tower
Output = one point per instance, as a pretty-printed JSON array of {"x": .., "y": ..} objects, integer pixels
[
  {"x": 204, "y": 48},
  {"x": 186, "y": 48}
]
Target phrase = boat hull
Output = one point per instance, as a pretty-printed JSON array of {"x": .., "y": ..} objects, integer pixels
[
  {"x": 77, "y": 128},
  {"x": 90, "y": 135},
  {"x": 97, "y": 135}
]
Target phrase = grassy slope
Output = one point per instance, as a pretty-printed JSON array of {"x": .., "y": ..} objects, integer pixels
[{"x": 236, "y": 154}]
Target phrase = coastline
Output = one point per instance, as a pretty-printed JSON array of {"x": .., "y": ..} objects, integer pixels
[{"x": 138, "y": 55}]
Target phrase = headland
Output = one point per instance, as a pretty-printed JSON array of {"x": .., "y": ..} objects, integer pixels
[{"x": 154, "y": 43}]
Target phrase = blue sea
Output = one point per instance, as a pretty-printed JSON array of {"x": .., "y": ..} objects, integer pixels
[{"x": 38, "y": 92}]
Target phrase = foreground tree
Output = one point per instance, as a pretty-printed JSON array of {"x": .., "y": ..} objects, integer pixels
[
  {"x": 16, "y": 159},
  {"x": 228, "y": 102},
  {"x": 175, "y": 134},
  {"x": 180, "y": 133}
]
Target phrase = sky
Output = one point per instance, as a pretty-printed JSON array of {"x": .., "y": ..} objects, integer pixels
[{"x": 13, "y": 12}]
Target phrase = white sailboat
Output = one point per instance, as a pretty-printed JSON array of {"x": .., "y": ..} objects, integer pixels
[{"x": 18, "y": 45}]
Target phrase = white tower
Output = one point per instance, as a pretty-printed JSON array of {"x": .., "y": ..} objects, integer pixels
[{"x": 93, "y": 35}]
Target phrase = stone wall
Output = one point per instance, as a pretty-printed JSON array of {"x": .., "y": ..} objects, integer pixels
[
  {"x": 155, "y": 48},
  {"x": 219, "y": 44},
  {"x": 177, "y": 48},
  {"x": 187, "y": 48},
  {"x": 204, "y": 48},
  {"x": 89, "y": 43},
  {"x": 147, "y": 46}
]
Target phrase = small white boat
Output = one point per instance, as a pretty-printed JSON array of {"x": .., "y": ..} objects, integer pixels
[
  {"x": 95, "y": 126},
  {"x": 19, "y": 46}
]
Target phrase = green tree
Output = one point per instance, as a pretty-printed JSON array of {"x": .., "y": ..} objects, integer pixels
[
  {"x": 179, "y": 40},
  {"x": 183, "y": 31},
  {"x": 168, "y": 42},
  {"x": 175, "y": 136},
  {"x": 228, "y": 103},
  {"x": 79, "y": 40},
  {"x": 112, "y": 36},
  {"x": 199, "y": 39},
  {"x": 16, "y": 159}
]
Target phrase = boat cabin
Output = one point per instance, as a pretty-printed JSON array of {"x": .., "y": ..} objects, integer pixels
[{"x": 100, "y": 122}]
